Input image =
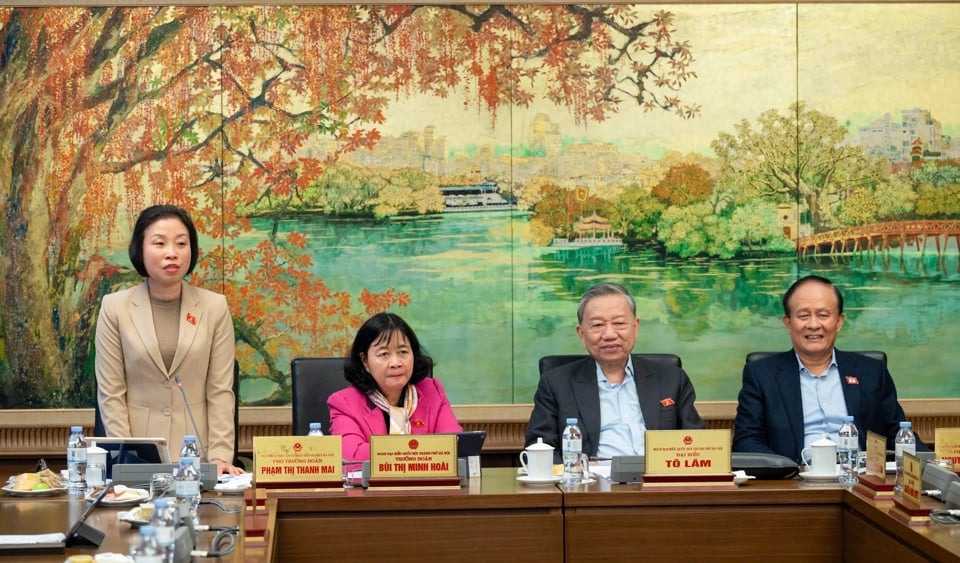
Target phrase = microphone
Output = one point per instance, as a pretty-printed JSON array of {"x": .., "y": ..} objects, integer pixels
[{"x": 196, "y": 429}]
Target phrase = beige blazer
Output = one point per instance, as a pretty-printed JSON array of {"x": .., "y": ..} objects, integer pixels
[{"x": 138, "y": 396}]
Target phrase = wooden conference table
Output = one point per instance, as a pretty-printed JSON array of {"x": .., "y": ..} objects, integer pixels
[
  {"x": 498, "y": 519},
  {"x": 41, "y": 515}
]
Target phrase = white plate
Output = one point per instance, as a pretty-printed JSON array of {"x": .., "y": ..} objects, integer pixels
[
  {"x": 231, "y": 488},
  {"x": 109, "y": 500},
  {"x": 527, "y": 480},
  {"x": 139, "y": 516},
  {"x": 825, "y": 477},
  {"x": 41, "y": 493}
]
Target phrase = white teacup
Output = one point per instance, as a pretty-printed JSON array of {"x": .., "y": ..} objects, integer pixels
[
  {"x": 821, "y": 457},
  {"x": 537, "y": 459}
]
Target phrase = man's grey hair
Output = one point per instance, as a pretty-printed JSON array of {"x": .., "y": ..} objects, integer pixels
[{"x": 600, "y": 290}]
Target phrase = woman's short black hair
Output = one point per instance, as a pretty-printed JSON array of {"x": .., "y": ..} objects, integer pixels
[
  {"x": 378, "y": 328},
  {"x": 150, "y": 216}
]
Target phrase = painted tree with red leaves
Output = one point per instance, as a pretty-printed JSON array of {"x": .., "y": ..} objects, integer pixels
[{"x": 104, "y": 111}]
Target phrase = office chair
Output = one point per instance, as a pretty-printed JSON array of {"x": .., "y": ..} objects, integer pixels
[
  {"x": 548, "y": 363},
  {"x": 882, "y": 356},
  {"x": 312, "y": 380}
]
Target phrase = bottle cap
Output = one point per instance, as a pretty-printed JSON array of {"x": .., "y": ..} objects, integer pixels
[
  {"x": 76, "y": 429},
  {"x": 571, "y": 421},
  {"x": 189, "y": 438},
  {"x": 848, "y": 418},
  {"x": 905, "y": 424},
  {"x": 314, "y": 426}
]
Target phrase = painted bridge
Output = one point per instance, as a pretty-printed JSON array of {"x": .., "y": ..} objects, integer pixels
[{"x": 882, "y": 237}]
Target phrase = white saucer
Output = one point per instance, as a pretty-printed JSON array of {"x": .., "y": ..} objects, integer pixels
[
  {"x": 527, "y": 480},
  {"x": 825, "y": 477}
]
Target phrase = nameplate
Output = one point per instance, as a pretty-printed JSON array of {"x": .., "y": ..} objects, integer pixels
[
  {"x": 699, "y": 458},
  {"x": 420, "y": 459},
  {"x": 912, "y": 474},
  {"x": 910, "y": 507},
  {"x": 876, "y": 455},
  {"x": 947, "y": 444},
  {"x": 687, "y": 452},
  {"x": 297, "y": 461}
]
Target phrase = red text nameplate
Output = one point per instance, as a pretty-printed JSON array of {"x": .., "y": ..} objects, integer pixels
[
  {"x": 687, "y": 452},
  {"x": 297, "y": 459},
  {"x": 912, "y": 468},
  {"x": 413, "y": 456},
  {"x": 947, "y": 444}
]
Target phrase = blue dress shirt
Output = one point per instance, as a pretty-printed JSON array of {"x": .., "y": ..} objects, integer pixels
[
  {"x": 823, "y": 403},
  {"x": 621, "y": 420}
]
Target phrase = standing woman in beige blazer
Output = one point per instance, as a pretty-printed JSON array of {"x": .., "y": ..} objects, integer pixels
[{"x": 163, "y": 329}]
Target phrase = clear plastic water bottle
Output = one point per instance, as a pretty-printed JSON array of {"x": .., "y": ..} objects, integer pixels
[
  {"x": 849, "y": 451},
  {"x": 191, "y": 450},
  {"x": 147, "y": 550},
  {"x": 904, "y": 442},
  {"x": 315, "y": 429},
  {"x": 572, "y": 447},
  {"x": 164, "y": 520},
  {"x": 77, "y": 462},
  {"x": 187, "y": 481}
]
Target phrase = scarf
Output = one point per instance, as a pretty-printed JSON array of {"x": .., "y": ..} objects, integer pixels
[{"x": 399, "y": 416}]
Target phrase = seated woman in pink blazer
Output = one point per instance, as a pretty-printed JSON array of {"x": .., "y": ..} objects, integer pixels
[{"x": 392, "y": 390}]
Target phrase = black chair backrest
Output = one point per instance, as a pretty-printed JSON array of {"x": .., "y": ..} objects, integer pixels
[
  {"x": 312, "y": 380},
  {"x": 875, "y": 354},
  {"x": 547, "y": 363}
]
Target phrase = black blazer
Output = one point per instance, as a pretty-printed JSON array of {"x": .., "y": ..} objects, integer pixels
[
  {"x": 665, "y": 392},
  {"x": 770, "y": 408}
]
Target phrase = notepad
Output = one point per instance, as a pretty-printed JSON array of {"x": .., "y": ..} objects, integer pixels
[{"x": 32, "y": 543}]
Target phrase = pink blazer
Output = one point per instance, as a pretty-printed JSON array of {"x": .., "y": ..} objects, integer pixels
[{"x": 356, "y": 418}]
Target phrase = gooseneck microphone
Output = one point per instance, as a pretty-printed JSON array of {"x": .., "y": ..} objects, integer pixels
[{"x": 196, "y": 430}]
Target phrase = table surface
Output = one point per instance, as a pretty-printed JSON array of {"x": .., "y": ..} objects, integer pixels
[
  {"x": 42, "y": 515},
  {"x": 499, "y": 494}
]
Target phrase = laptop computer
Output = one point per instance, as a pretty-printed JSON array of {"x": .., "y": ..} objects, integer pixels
[{"x": 470, "y": 443}]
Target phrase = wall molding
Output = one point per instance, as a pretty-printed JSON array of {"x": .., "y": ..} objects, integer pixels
[{"x": 44, "y": 432}]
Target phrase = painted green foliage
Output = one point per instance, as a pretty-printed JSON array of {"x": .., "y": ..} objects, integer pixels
[{"x": 106, "y": 110}]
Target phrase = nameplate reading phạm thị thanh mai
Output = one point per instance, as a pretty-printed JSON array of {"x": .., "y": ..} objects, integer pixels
[{"x": 297, "y": 459}]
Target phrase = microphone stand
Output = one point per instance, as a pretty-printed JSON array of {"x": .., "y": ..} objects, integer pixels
[{"x": 196, "y": 429}]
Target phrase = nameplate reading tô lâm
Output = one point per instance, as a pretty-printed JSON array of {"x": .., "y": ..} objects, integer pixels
[{"x": 688, "y": 458}]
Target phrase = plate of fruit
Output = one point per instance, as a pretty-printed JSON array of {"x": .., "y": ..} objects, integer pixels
[{"x": 44, "y": 483}]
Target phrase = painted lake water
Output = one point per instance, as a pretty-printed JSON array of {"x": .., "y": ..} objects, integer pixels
[{"x": 487, "y": 303}]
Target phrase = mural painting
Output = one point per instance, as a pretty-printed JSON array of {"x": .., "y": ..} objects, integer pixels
[{"x": 475, "y": 169}]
